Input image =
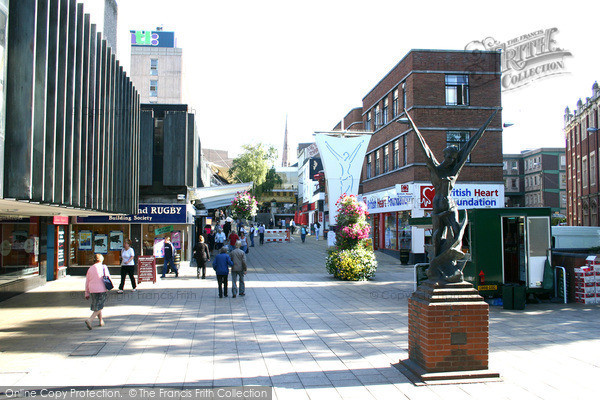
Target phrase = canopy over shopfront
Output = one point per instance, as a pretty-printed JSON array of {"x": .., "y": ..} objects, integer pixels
[{"x": 214, "y": 197}]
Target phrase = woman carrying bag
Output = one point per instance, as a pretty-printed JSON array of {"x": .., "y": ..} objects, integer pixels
[
  {"x": 97, "y": 285},
  {"x": 202, "y": 256}
]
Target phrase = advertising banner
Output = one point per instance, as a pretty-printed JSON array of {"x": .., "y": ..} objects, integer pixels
[
  {"x": 176, "y": 239},
  {"x": 342, "y": 159},
  {"x": 85, "y": 240},
  {"x": 159, "y": 247},
  {"x": 146, "y": 269},
  {"x": 116, "y": 240}
]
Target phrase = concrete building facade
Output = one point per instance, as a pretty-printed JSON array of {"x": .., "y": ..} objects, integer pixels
[
  {"x": 156, "y": 66},
  {"x": 583, "y": 148}
]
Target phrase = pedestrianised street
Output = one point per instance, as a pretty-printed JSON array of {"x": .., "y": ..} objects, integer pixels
[{"x": 297, "y": 329}]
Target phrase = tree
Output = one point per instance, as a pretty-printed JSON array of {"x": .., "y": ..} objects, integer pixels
[
  {"x": 253, "y": 164},
  {"x": 271, "y": 180}
]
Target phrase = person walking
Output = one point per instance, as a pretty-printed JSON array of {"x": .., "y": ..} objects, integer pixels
[
  {"x": 317, "y": 229},
  {"x": 127, "y": 265},
  {"x": 261, "y": 234},
  {"x": 219, "y": 239},
  {"x": 238, "y": 270},
  {"x": 244, "y": 242},
  {"x": 202, "y": 256},
  {"x": 292, "y": 226},
  {"x": 233, "y": 237},
  {"x": 252, "y": 233},
  {"x": 221, "y": 265},
  {"x": 169, "y": 258},
  {"x": 96, "y": 289},
  {"x": 227, "y": 228},
  {"x": 303, "y": 233}
]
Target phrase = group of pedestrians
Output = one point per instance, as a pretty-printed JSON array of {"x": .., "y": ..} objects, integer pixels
[{"x": 304, "y": 231}]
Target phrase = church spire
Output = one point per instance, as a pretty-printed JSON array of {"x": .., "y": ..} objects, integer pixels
[{"x": 286, "y": 148}]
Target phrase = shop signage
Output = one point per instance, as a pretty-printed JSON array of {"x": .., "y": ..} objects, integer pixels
[
  {"x": 147, "y": 214},
  {"x": 60, "y": 220},
  {"x": 388, "y": 201},
  {"x": 164, "y": 229},
  {"x": 146, "y": 269},
  {"x": 153, "y": 38},
  {"x": 342, "y": 159},
  {"x": 466, "y": 196}
]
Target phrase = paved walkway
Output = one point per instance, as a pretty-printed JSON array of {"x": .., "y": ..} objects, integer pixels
[{"x": 297, "y": 330}]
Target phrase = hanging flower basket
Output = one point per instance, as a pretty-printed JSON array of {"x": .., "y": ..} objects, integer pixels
[{"x": 244, "y": 206}]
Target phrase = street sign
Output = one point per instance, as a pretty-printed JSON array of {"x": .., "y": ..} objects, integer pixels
[
  {"x": 146, "y": 269},
  {"x": 164, "y": 229}
]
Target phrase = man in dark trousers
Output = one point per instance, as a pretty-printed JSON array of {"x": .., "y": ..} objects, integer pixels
[
  {"x": 169, "y": 258},
  {"x": 261, "y": 233},
  {"x": 221, "y": 265}
]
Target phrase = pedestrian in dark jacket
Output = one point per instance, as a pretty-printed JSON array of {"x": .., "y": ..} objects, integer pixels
[
  {"x": 221, "y": 265},
  {"x": 169, "y": 258},
  {"x": 202, "y": 256}
]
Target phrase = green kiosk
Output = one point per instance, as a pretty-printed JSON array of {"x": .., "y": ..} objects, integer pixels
[{"x": 506, "y": 249}]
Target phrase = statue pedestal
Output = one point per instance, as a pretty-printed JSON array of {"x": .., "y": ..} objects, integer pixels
[{"x": 448, "y": 333}]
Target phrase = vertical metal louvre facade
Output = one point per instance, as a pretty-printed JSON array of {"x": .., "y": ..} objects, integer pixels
[{"x": 72, "y": 113}]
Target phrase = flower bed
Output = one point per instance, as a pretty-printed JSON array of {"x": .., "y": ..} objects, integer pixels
[{"x": 351, "y": 259}]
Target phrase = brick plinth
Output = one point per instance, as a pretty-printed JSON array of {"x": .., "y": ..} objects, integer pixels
[{"x": 448, "y": 328}]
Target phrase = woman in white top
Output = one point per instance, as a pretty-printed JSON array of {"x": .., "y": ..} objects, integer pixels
[
  {"x": 219, "y": 239},
  {"x": 127, "y": 265}
]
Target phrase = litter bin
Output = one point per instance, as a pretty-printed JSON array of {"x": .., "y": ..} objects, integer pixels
[
  {"x": 513, "y": 297},
  {"x": 404, "y": 256}
]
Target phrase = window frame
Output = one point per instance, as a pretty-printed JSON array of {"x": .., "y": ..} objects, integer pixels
[
  {"x": 460, "y": 89},
  {"x": 395, "y": 103},
  {"x": 395, "y": 155},
  {"x": 377, "y": 163},
  {"x": 369, "y": 163},
  {"x": 459, "y": 143},
  {"x": 384, "y": 111},
  {"x": 155, "y": 90},
  {"x": 386, "y": 159},
  {"x": 154, "y": 66}
]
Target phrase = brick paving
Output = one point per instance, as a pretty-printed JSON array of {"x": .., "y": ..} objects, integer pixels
[{"x": 297, "y": 330}]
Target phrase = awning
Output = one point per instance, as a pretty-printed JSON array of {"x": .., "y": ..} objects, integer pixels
[{"x": 214, "y": 197}]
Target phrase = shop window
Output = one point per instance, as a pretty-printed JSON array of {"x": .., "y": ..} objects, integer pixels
[
  {"x": 19, "y": 249},
  {"x": 404, "y": 230},
  {"x": 105, "y": 239},
  {"x": 391, "y": 232}
]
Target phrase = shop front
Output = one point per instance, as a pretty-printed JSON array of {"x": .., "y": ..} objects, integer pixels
[
  {"x": 147, "y": 231},
  {"x": 391, "y": 209}
]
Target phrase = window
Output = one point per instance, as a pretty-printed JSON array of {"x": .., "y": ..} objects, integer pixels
[
  {"x": 368, "y": 126},
  {"x": 377, "y": 116},
  {"x": 386, "y": 159},
  {"x": 377, "y": 162},
  {"x": 396, "y": 155},
  {"x": 368, "y": 166},
  {"x": 395, "y": 103},
  {"x": 153, "y": 88},
  {"x": 563, "y": 180},
  {"x": 154, "y": 66},
  {"x": 563, "y": 200},
  {"x": 404, "y": 151},
  {"x": 514, "y": 183},
  {"x": 593, "y": 168},
  {"x": 563, "y": 160},
  {"x": 535, "y": 180},
  {"x": 384, "y": 112},
  {"x": 584, "y": 171},
  {"x": 505, "y": 165},
  {"x": 458, "y": 139},
  {"x": 457, "y": 90},
  {"x": 404, "y": 105},
  {"x": 515, "y": 165}
]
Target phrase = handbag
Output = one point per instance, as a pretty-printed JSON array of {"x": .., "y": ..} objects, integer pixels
[{"x": 107, "y": 282}]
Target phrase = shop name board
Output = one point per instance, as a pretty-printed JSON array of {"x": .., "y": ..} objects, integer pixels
[
  {"x": 147, "y": 213},
  {"x": 466, "y": 196},
  {"x": 389, "y": 200}
]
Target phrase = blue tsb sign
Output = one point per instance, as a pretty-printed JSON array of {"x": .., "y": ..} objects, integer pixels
[
  {"x": 147, "y": 214},
  {"x": 153, "y": 38}
]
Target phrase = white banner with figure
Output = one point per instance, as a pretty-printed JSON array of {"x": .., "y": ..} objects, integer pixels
[{"x": 342, "y": 159}]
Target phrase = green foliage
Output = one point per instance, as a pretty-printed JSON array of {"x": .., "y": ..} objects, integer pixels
[
  {"x": 253, "y": 164},
  {"x": 358, "y": 264},
  {"x": 272, "y": 179}
]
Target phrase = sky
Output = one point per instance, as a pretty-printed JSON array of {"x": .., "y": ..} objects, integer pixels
[{"x": 248, "y": 64}]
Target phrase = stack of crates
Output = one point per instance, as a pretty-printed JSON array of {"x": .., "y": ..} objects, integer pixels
[{"x": 587, "y": 281}]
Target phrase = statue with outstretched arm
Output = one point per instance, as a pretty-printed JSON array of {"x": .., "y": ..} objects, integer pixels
[{"x": 447, "y": 231}]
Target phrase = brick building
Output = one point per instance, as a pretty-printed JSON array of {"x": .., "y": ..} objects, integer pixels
[
  {"x": 449, "y": 94},
  {"x": 581, "y": 130}
]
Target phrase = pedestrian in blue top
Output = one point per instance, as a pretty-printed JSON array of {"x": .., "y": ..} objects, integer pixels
[{"x": 221, "y": 265}]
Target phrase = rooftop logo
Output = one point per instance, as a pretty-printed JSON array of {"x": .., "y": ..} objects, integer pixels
[{"x": 526, "y": 58}]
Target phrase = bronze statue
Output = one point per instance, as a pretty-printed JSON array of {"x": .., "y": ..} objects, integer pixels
[{"x": 447, "y": 230}]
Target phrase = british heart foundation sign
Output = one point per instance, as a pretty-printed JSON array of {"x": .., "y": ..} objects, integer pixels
[
  {"x": 146, "y": 269},
  {"x": 426, "y": 196}
]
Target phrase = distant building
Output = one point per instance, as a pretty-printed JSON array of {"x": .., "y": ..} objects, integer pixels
[
  {"x": 218, "y": 157},
  {"x": 156, "y": 65},
  {"x": 311, "y": 195},
  {"x": 536, "y": 178},
  {"x": 581, "y": 130}
]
